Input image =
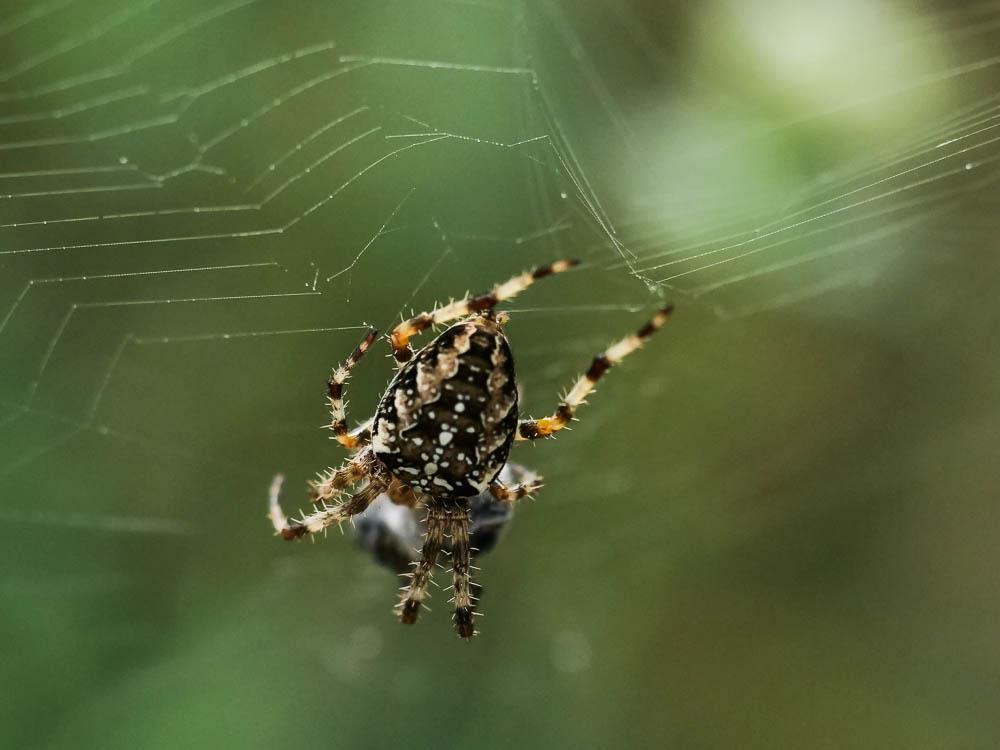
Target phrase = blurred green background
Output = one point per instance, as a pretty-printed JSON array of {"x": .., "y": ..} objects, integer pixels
[{"x": 775, "y": 527}]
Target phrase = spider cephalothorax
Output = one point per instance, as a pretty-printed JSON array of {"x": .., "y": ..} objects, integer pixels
[{"x": 442, "y": 433}]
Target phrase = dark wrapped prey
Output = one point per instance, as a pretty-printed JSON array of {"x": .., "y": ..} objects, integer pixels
[{"x": 392, "y": 533}]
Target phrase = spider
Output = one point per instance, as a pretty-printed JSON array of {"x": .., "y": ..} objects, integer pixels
[{"x": 442, "y": 433}]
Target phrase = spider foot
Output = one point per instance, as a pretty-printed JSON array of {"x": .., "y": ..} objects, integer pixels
[
  {"x": 463, "y": 622},
  {"x": 292, "y": 531},
  {"x": 408, "y": 611}
]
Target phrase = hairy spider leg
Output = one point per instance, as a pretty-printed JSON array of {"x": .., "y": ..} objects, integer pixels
[
  {"x": 463, "y": 616},
  {"x": 399, "y": 337},
  {"x": 362, "y": 434},
  {"x": 335, "y": 394},
  {"x": 415, "y": 593},
  {"x": 332, "y": 482},
  {"x": 515, "y": 492},
  {"x": 327, "y": 515},
  {"x": 533, "y": 429}
]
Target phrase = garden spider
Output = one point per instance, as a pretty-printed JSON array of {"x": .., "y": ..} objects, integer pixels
[{"x": 442, "y": 432}]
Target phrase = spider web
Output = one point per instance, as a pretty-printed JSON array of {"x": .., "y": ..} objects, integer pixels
[{"x": 203, "y": 206}]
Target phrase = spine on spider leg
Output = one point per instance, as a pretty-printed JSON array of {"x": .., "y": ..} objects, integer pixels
[
  {"x": 505, "y": 494},
  {"x": 313, "y": 523},
  {"x": 399, "y": 337},
  {"x": 542, "y": 428},
  {"x": 612, "y": 356},
  {"x": 414, "y": 594},
  {"x": 332, "y": 482},
  {"x": 335, "y": 392},
  {"x": 461, "y": 581},
  {"x": 518, "y": 284}
]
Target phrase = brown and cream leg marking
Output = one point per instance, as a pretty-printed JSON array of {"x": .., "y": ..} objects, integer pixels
[
  {"x": 460, "y": 566},
  {"x": 533, "y": 429},
  {"x": 332, "y": 482},
  {"x": 327, "y": 515},
  {"x": 415, "y": 593},
  {"x": 335, "y": 394},
  {"x": 362, "y": 434},
  {"x": 515, "y": 492},
  {"x": 400, "y": 336}
]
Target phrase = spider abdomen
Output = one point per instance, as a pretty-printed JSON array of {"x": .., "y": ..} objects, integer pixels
[{"x": 447, "y": 420}]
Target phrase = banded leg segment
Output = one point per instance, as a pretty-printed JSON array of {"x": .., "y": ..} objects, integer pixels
[
  {"x": 327, "y": 515},
  {"x": 461, "y": 580},
  {"x": 362, "y": 434},
  {"x": 515, "y": 492},
  {"x": 400, "y": 336},
  {"x": 332, "y": 482},
  {"x": 335, "y": 394},
  {"x": 415, "y": 593},
  {"x": 533, "y": 429}
]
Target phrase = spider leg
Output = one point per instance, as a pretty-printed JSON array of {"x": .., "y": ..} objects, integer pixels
[
  {"x": 515, "y": 492},
  {"x": 415, "y": 593},
  {"x": 532, "y": 429},
  {"x": 327, "y": 515},
  {"x": 332, "y": 482},
  {"x": 362, "y": 434},
  {"x": 399, "y": 337},
  {"x": 460, "y": 574},
  {"x": 335, "y": 394}
]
